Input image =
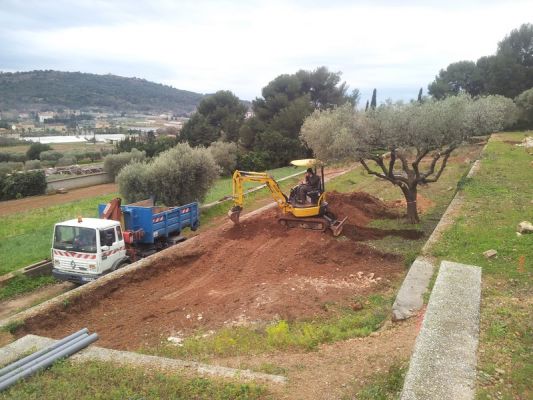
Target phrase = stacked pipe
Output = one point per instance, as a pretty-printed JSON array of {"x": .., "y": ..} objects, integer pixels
[{"x": 41, "y": 359}]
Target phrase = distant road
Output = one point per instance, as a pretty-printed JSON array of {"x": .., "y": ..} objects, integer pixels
[{"x": 28, "y": 203}]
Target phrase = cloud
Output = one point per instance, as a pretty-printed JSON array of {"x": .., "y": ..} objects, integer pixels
[{"x": 206, "y": 46}]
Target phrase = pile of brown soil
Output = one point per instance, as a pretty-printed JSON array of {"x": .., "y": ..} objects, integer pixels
[{"x": 256, "y": 271}]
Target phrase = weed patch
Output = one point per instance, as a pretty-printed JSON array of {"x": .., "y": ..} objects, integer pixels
[
  {"x": 23, "y": 284},
  {"x": 99, "y": 380}
]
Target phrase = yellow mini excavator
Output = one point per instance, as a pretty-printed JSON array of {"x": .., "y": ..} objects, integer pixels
[{"x": 311, "y": 214}]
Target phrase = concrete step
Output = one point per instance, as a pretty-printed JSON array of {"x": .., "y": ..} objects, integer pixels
[{"x": 443, "y": 364}]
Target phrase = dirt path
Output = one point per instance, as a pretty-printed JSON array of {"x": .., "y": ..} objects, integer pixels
[
  {"x": 336, "y": 370},
  {"x": 28, "y": 203},
  {"x": 10, "y": 307}
]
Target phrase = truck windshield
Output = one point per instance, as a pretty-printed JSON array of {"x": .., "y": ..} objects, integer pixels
[{"x": 75, "y": 238}]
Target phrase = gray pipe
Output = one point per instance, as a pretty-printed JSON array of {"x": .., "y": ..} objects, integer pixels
[
  {"x": 42, "y": 357},
  {"x": 71, "y": 349},
  {"x": 39, "y": 353}
]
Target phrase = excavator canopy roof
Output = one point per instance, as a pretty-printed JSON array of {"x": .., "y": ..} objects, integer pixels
[{"x": 308, "y": 162}]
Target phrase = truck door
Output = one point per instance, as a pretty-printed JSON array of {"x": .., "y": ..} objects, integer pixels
[{"x": 111, "y": 248}]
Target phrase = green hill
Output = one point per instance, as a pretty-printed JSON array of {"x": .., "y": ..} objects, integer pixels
[{"x": 41, "y": 90}]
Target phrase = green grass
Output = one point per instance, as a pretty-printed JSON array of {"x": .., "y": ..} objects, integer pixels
[
  {"x": 99, "y": 380},
  {"x": 383, "y": 386},
  {"x": 497, "y": 198},
  {"x": 283, "y": 335},
  {"x": 27, "y": 236},
  {"x": 23, "y": 284}
]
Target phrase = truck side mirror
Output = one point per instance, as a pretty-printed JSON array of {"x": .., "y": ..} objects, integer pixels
[{"x": 105, "y": 248}]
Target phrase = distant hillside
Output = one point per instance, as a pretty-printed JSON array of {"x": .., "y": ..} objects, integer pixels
[{"x": 40, "y": 90}]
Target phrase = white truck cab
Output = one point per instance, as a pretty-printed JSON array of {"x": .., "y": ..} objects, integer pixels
[{"x": 83, "y": 249}]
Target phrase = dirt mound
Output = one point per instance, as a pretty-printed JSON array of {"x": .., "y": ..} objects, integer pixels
[
  {"x": 256, "y": 271},
  {"x": 359, "y": 207},
  {"x": 422, "y": 203}
]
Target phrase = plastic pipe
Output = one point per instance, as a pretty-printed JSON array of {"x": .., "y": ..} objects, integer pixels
[
  {"x": 42, "y": 357},
  {"x": 39, "y": 353},
  {"x": 71, "y": 349}
]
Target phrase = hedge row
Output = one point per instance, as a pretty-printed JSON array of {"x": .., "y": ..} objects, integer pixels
[{"x": 22, "y": 184}]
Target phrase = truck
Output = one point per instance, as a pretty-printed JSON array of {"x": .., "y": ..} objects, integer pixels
[{"x": 84, "y": 249}]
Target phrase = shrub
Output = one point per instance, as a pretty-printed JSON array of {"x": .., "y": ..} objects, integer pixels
[
  {"x": 66, "y": 160},
  {"x": 9, "y": 167},
  {"x": 4, "y": 157},
  {"x": 225, "y": 155},
  {"x": 17, "y": 157},
  {"x": 32, "y": 164},
  {"x": 134, "y": 182},
  {"x": 178, "y": 176},
  {"x": 36, "y": 149},
  {"x": 113, "y": 163},
  {"x": 22, "y": 184},
  {"x": 50, "y": 155},
  {"x": 253, "y": 161}
]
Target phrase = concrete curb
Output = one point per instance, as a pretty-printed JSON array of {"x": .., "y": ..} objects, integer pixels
[
  {"x": 17, "y": 349},
  {"x": 443, "y": 365},
  {"x": 410, "y": 297}
]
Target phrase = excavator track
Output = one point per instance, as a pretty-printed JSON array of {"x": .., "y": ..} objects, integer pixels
[{"x": 315, "y": 224}]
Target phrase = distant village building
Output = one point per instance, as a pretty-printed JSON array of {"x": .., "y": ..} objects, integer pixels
[{"x": 44, "y": 116}]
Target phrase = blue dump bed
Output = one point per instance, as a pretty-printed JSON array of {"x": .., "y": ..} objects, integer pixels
[{"x": 158, "y": 222}]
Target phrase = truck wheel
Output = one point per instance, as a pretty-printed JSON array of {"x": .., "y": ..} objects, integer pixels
[
  {"x": 195, "y": 226},
  {"x": 119, "y": 265}
]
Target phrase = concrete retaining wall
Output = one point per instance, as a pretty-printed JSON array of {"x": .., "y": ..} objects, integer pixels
[{"x": 76, "y": 182}]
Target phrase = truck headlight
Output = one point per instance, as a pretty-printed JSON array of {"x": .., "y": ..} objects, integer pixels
[
  {"x": 92, "y": 267},
  {"x": 56, "y": 263}
]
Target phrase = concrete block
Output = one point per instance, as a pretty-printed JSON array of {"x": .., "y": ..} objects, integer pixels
[
  {"x": 443, "y": 365},
  {"x": 410, "y": 298}
]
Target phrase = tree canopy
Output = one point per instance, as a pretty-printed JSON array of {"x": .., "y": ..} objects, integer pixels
[
  {"x": 273, "y": 132},
  {"x": 218, "y": 117},
  {"x": 396, "y": 138},
  {"x": 508, "y": 73}
]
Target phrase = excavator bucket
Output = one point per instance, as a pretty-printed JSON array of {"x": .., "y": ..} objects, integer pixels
[
  {"x": 336, "y": 226},
  {"x": 234, "y": 214}
]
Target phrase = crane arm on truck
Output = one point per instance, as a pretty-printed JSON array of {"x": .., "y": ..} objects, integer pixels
[{"x": 112, "y": 210}]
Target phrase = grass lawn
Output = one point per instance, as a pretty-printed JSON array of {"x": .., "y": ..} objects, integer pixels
[
  {"x": 497, "y": 198},
  {"x": 100, "y": 380}
]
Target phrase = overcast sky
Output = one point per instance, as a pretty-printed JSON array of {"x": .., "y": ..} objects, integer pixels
[{"x": 205, "y": 46}]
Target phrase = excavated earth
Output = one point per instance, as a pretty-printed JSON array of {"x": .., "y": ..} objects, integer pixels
[{"x": 236, "y": 275}]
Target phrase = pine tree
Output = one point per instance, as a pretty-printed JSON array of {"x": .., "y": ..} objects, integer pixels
[
  {"x": 373, "y": 103},
  {"x": 367, "y": 104},
  {"x": 420, "y": 95}
]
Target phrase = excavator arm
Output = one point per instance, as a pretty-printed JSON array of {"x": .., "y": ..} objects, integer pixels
[{"x": 240, "y": 177}]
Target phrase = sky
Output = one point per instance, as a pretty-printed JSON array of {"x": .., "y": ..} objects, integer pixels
[{"x": 396, "y": 47}]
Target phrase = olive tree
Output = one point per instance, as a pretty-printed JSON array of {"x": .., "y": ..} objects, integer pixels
[
  {"x": 405, "y": 144},
  {"x": 177, "y": 176},
  {"x": 225, "y": 155}
]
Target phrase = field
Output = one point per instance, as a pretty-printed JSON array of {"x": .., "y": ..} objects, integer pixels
[{"x": 295, "y": 302}]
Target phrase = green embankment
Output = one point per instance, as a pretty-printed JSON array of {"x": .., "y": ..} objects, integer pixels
[{"x": 497, "y": 198}]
